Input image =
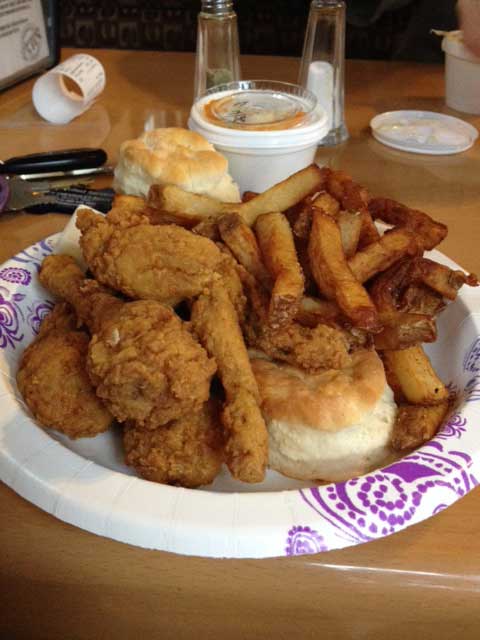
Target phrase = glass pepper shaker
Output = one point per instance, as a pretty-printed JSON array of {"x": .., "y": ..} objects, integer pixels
[
  {"x": 322, "y": 69},
  {"x": 218, "y": 53}
]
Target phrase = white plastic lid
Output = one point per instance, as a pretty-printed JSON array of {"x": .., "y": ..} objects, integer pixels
[
  {"x": 279, "y": 105},
  {"x": 423, "y": 132}
]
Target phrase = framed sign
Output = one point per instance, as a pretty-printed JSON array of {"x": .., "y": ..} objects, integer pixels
[{"x": 29, "y": 42}]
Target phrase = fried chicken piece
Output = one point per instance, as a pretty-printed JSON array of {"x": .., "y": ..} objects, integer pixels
[
  {"x": 157, "y": 262},
  {"x": 53, "y": 380},
  {"x": 142, "y": 359},
  {"x": 310, "y": 348},
  {"x": 187, "y": 452},
  {"x": 216, "y": 323},
  {"x": 61, "y": 318}
]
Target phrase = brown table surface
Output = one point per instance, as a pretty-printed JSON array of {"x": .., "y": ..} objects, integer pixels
[{"x": 57, "y": 581}]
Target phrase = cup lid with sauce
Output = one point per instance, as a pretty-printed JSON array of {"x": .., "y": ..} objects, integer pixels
[
  {"x": 250, "y": 109},
  {"x": 423, "y": 132}
]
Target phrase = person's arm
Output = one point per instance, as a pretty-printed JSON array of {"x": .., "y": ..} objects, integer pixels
[{"x": 469, "y": 16}]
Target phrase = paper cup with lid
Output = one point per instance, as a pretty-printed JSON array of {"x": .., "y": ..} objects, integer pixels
[
  {"x": 267, "y": 130},
  {"x": 462, "y": 75}
]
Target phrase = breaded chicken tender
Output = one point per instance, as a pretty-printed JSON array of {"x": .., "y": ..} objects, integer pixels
[
  {"x": 53, "y": 379},
  {"x": 155, "y": 262},
  {"x": 144, "y": 363},
  {"x": 216, "y": 323},
  {"x": 187, "y": 452}
]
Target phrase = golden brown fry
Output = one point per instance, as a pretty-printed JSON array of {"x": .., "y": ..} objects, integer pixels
[
  {"x": 428, "y": 232},
  {"x": 334, "y": 181},
  {"x": 352, "y": 197},
  {"x": 241, "y": 241},
  {"x": 327, "y": 203},
  {"x": 334, "y": 277},
  {"x": 172, "y": 199},
  {"x": 215, "y": 321},
  {"x": 380, "y": 255},
  {"x": 402, "y": 330},
  {"x": 208, "y": 228},
  {"x": 415, "y": 424},
  {"x": 440, "y": 278},
  {"x": 350, "y": 225},
  {"x": 369, "y": 232},
  {"x": 412, "y": 377},
  {"x": 283, "y": 195},
  {"x": 303, "y": 223},
  {"x": 128, "y": 203},
  {"x": 417, "y": 298},
  {"x": 278, "y": 250}
]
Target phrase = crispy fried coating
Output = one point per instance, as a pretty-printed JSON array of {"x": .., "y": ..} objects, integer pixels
[
  {"x": 187, "y": 452},
  {"x": 146, "y": 365},
  {"x": 310, "y": 348},
  {"x": 216, "y": 323},
  {"x": 153, "y": 262},
  {"x": 142, "y": 359},
  {"x": 428, "y": 232},
  {"x": 53, "y": 379}
]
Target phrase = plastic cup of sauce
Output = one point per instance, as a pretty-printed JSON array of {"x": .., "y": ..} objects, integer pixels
[{"x": 267, "y": 130}]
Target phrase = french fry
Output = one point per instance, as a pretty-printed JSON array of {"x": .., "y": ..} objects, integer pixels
[
  {"x": 380, "y": 255},
  {"x": 278, "y": 250},
  {"x": 429, "y": 232},
  {"x": 327, "y": 203},
  {"x": 302, "y": 225},
  {"x": 334, "y": 181},
  {"x": 333, "y": 275},
  {"x": 128, "y": 203},
  {"x": 283, "y": 195},
  {"x": 412, "y": 378},
  {"x": 208, "y": 228},
  {"x": 241, "y": 241},
  {"x": 350, "y": 225},
  {"x": 415, "y": 424},
  {"x": 402, "y": 330},
  {"x": 440, "y": 278},
  {"x": 417, "y": 298},
  {"x": 369, "y": 232},
  {"x": 175, "y": 200}
]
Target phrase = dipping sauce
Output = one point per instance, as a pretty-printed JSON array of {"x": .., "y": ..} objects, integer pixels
[{"x": 256, "y": 110}]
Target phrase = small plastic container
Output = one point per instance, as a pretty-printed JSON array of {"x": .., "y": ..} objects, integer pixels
[
  {"x": 266, "y": 130},
  {"x": 462, "y": 75}
]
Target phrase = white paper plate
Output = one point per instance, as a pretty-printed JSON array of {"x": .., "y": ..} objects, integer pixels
[
  {"x": 86, "y": 483},
  {"x": 405, "y": 142}
]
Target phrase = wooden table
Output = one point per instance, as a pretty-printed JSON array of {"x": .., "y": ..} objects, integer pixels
[{"x": 57, "y": 581}]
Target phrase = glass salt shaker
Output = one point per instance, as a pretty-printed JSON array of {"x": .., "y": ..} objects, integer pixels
[
  {"x": 218, "y": 53},
  {"x": 322, "y": 68}
]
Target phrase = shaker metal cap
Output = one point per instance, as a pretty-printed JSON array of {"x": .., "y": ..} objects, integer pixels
[{"x": 217, "y": 7}]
